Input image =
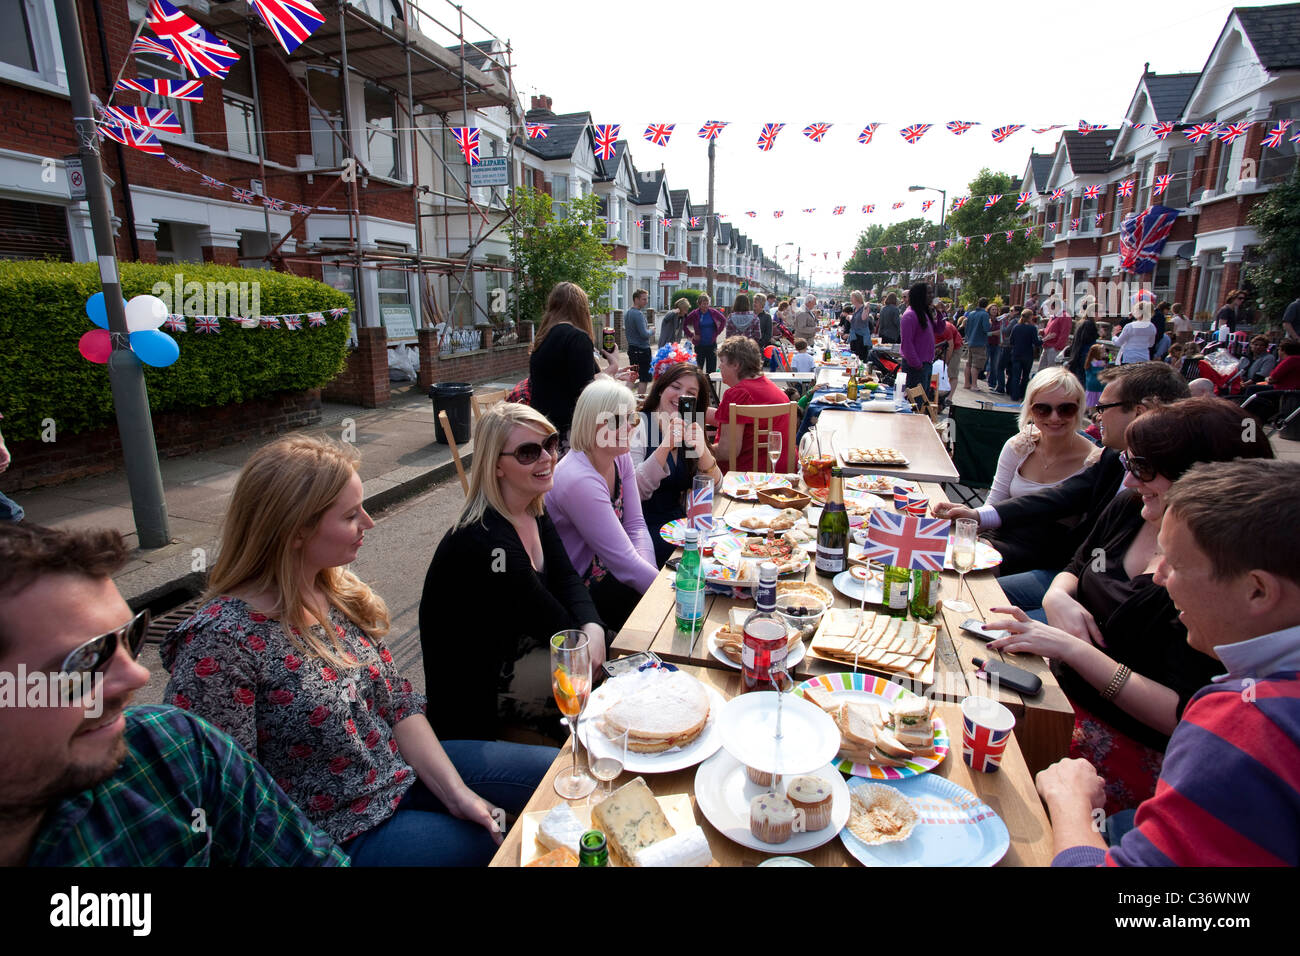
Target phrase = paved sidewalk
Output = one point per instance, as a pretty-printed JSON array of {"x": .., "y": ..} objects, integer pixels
[{"x": 400, "y": 457}]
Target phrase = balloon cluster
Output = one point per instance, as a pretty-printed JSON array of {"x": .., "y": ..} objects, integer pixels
[
  {"x": 144, "y": 314},
  {"x": 672, "y": 354}
]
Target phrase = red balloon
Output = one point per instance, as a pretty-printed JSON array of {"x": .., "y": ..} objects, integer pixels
[{"x": 96, "y": 346}]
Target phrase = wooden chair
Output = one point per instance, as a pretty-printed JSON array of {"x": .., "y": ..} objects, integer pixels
[
  {"x": 480, "y": 402},
  {"x": 455, "y": 452},
  {"x": 921, "y": 402},
  {"x": 762, "y": 416}
]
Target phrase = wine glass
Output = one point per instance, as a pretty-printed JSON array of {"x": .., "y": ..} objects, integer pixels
[
  {"x": 571, "y": 684},
  {"x": 964, "y": 534},
  {"x": 774, "y": 448},
  {"x": 606, "y": 753}
]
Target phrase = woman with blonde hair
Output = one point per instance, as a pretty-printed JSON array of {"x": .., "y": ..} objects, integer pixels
[
  {"x": 499, "y": 586},
  {"x": 287, "y": 656},
  {"x": 597, "y": 506}
]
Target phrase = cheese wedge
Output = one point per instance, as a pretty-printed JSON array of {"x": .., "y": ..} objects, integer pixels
[
  {"x": 560, "y": 829},
  {"x": 688, "y": 848}
]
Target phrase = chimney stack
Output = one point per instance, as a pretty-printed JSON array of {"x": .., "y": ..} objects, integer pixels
[{"x": 541, "y": 102}]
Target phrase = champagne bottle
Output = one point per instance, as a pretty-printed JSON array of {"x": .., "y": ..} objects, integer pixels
[
  {"x": 689, "y": 586},
  {"x": 593, "y": 849},
  {"x": 852, "y": 389},
  {"x": 833, "y": 530},
  {"x": 897, "y": 583}
]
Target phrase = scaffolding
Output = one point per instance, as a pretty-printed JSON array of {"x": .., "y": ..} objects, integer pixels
[{"x": 390, "y": 43}]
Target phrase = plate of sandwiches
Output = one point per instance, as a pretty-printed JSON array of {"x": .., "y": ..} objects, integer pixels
[
  {"x": 877, "y": 640},
  {"x": 744, "y": 485},
  {"x": 890, "y": 457},
  {"x": 833, "y": 398},
  {"x": 886, "y": 731},
  {"x": 764, "y": 518},
  {"x": 736, "y": 558},
  {"x": 727, "y": 642},
  {"x": 640, "y": 830},
  {"x": 671, "y": 718},
  {"x": 878, "y": 484}
]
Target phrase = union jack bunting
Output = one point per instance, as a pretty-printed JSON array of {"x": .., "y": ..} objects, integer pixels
[
  {"x": 164, "y": 121},
  {"x": 1125, "y": 188},
  {"x": 292, "y": 21},
  {"x": 150, "y": 45},
  {"x": 316, "y": 319},
  {"x": 838, "y": 211},
  {"x": 1022, "y": 198},
  {"x": 815, "y": 131},
  {"x": 1086, "y": 128},
  {"x": 1029, "y": 232},
  {"x": 898, "y": 248},
  {"x": 914, "y": 132},
  {"x": 1162, "y": 183},
  {"x": 270, "y": 202},
  {"x": 991, "y": 201},
  {"x": 243, "y": 195},
  {"x": 778, "y": 213},
  {"x": 957, "y": 127},
  {"x": 293, "y": 322},
  {"x": 1200, "y": 131},
  {"x": 536, "y": 130},
  {"x": 130, "y": 135},
  {"x": 867, "y": 250},
  {"x": 658, "y": 133},
  {"x": 916, "y": 246},
  {"x": 1048, "y": 129},
  {"x": 640, "y": 223},
  {"x": 987, "y": 237},
  {"x": 1092, "y": 192},
  {"x": 299, "y": 209},
  {"x": 711, "y": 129},
  {"x": 1052, "y": 226},
  {"x": 191, "y": 90},
  {"x": 337, "y": 313},
  {"x": 211, "y": 182},
  {"x": 667, "y": 223},
  {"x": 826, "y": 255},
  {"x": 175, "y": 323},
  {"x": 1295, "y": 137},
  {"x": 179, "y": 165},
  {"x": 199, "y": 51},
  {"x": 1058, "y": 193},
  {"x": 1161, "y": 130},
  {"x": 1011, "y": 233},
  {"x": 869, "y": 208},
  {"x": 897, "y": 205},
  {"x": 467, "y": 138},
  {"x": 1274, "y": 136},
  {"x": 926, "y": 204},
  {"x": 207, "y": 323},
  {"x": 1074, "y": 224},
  {"x": 966, "y": 240},
  {"x": 1098, "y": 218},
  {"x": 907, "y": 541},
  {"x": 751, "y": 214},
  {"x": 1137, "y": 126},
  {"x": 950, "y": 241},
  {"x": 959, "y": 202},
  {"x": 768, "y": 136},
  {"x": 867, "y": 132},
  {"x": 932, "y": 243},
  {"x": 270, "y": 321},
  {"x": 606, "y": 137},
  {"x": 1002, "y": 132},
  {"x": 1232, "y": 132},
  {"x": 1142, "y": 236}
]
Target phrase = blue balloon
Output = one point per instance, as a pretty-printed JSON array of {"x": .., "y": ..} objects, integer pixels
[
  {"x": 96, "y": 311},
  {"x": 155, "y": 348}
]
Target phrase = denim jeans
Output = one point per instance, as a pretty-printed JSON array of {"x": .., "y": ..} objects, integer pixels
[
  {"x": 422, "y": 833},
  {"x": 706, "y": 357},
  {"x": 1018, "y": 380},
  {"x": 10, "y": 510},
  {"x": 1026, "y": 591},
  {"x": 999, "y": 359}
]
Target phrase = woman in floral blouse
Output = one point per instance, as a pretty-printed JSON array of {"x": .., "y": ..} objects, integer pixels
[{"x": 288, "y": 657}]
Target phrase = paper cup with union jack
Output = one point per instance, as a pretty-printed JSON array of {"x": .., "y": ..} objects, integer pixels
[
  {"x": 699, "y": 505},
  {"x": 900, "y": 496},
  {"x": 917, "y": 505},
  {"x": 986, "y": 727}
]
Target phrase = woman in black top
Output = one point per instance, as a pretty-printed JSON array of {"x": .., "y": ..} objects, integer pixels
[
  {"x": 1230, "y": 312},
  {"x": 1113, "y": 635},
  {"x": 500, "y": 585},
  {"x": 1085, "y": 337}
]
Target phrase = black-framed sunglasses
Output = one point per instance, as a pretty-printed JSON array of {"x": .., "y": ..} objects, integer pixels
[
  {"x": 95, "y": 654},
  {"x": 1103, "y": 406},
  {"x": 530, "y": 451},
  {"x": 1065, "y": 409},
  {"x": 1138, "y": 467}
]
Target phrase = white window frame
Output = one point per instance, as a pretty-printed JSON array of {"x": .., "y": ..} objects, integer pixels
[
  {"x": 1182, "y": 183},
  {"x": 559, "y": 185},
  {"x": 1227, "y": 175},
  {"x": 50, "y": 73},
  {"x": 395, "y": 135},
  {"x": 244, "y": 103},
  {"x": 325, "y": 128}
]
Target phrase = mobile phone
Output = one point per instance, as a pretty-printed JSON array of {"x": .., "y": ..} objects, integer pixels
[
  {"x": 686, "y": 408},
  {"x": 976, "y": 627},
  {"x": 1008, "y": 676},
  {"x": 626, "y": 665}
]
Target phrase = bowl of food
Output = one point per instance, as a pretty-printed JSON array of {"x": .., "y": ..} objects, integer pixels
[
  {"x": 799, "y": 610},
  {"x": 782, "y": 498}
]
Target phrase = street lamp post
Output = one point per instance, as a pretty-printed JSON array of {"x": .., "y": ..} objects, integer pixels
[{"x": 943, "y": 213}]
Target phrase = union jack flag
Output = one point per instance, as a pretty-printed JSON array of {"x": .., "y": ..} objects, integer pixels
[
  {"x": 987, "y": 237},
  {"x": 1058, "y": 193},
  {"x": 1048, "y": 129},
  {"x": 640, "y": 223},
  {"x": 1161, "y": 130},
  {"x": 932, "y": 243},
  {"x": 1029, "y": 232},
  {"x": 768, "y": 137},
  {"x": 658, "y": 133},
  {"x": 991, "y": 201},
  {"x": 950, "y": 241},
  {"x": 1022, "y": 198},
  {"x": 338, "y": 313},
  {"x": 130, "y": 135},
  {"x": 1002, "y": 132},
  {"x": 1138, "y": 126},
  {"x": 815, "y": 131},
  {"x": 906, "y": 541},
  {"x": 293, "y": 322},
  {"x": 191, "y": 90},
  {"x": 810, "y": 210},
  {"x": 1092, "y": 192},
  {"x": 914, "y": 132},
  {"x": 959, "y": 202},
  {"x": 897, "y": 205},
  {"x": 778, "y": 214},
  {"x": 1295, "y": 137},
  {"x": 695, "y": 221},
  {"x": 1074, "y": 224},
  {"x": 207, "y": 323},
  {"x": 299, "y": 209},
  {"x": 467, "y": 139},
  {"x": 957, "y": 127},
  {"x": 711, "y": 129},
  {"x": 926, "y": 204},
  {"x": 199, "y": 51},
  {"x": 1086, "y": 128},
  {"x": 243, "y": 195},
  {"x": 1232, "y": 132},
  {"x": 867, "y": 250},
  {"x": 667, "y": 223},
  {"x": 270, "y": 202},
  {"x": 1142, "y": 236},
  {"x": 1052, "y": 226},
  {"x": 606, "y": 137},
  {"x": 916, "y": 246},
  {"x": 1162, "y": 183},
  {"x": 1010, "y": 234},
  {"x": 1125, "y": 188},
  {"x": 536, "y": 130},
  {"x": 750, "y": 213},
  {"x": 270, "y": 321},
  {"x": 211, "y": 182},
  {"x": 1098, "y": 218},
  {"x": 867, "y": 132},
  {"x": 981, "y": 747},
  {"x": 838, "y": 211},
  {"x": 150, "y": 45},
  {"x": 164, "y": 121},
  {"x": 292, "y": 21},
  {"x": 1274, "y": 136},
  {"x": 315, "y": 319},
  {"x": 869, "y": 208},
  {"x": 179, "y": 165},
  {"x": 1200, "y": 131},
  {"x": 175, "y": 323},
  {"x": 966, "y": 240}
]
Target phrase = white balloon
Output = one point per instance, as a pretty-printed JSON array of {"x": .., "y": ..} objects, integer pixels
[{"x": 145, "y": 312}]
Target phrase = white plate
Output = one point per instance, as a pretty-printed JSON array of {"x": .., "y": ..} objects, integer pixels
[
  {"x": 791, "y": 659},
  {"x": 744, "y": 485},
  {"x": 809, "y": 737},
  {"x": 723, "y": 791},
  {"x": 851, "y": 587},
  {"x": 766, "y": 512},
  {"x": 701, "y": 748}
]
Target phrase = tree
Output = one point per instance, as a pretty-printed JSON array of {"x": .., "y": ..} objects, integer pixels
[
  {"x": 983, "y": 265},
  {"x": 865, "y": 271},
  {"x": 548, "y": 250},
  {"x": 1276, "y": 278}
]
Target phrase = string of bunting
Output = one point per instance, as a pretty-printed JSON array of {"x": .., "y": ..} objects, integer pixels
[{"x": 293, "y": 321}]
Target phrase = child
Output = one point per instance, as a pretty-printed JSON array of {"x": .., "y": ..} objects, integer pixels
[
  {"x": 1175, "y": 357},
  {"x": 802, "y": 361},
  {"x": 1096, "y": 361}
]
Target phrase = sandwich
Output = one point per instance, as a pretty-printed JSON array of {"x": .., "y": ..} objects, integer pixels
[{"x": 913, "y": 724}]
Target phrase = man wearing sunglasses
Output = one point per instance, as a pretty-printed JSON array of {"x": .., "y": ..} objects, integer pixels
[{"x": 93, "y": 782}]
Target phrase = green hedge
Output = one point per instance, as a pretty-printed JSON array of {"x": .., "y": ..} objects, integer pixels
[
  {"x": 693, "y": 295},
  {"x": 42, "y": 317}
]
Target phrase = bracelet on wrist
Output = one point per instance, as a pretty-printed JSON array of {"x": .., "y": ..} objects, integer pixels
[{"x": 1117, "y": 682}]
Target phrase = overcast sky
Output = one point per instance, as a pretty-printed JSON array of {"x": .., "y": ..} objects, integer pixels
[{"x": 1010, "y": 61}]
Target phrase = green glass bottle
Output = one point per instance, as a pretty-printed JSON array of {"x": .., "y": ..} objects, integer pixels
[
  {"x": 689, "y": 586},
  {"x": 925, "y": 585},
  {"x": 833, "y": 530},
  {"x": 592, "y": 849},
  {"x": 897, "y": 583}
]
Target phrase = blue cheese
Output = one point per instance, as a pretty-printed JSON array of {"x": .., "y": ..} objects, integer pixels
[{"x": 631, "y": 819}]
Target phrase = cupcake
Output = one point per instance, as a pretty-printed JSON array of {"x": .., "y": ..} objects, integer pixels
[
  {"x": 812, "y": 797},
  {"x": 762, "y": 777},
  {"x": 771, "y": 818}
]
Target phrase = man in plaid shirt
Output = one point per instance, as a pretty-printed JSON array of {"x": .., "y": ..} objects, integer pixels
[{"x": 87, "y": 781}]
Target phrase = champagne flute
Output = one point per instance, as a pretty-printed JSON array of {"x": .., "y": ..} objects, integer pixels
[
  {"x": 606, "y": 753},
  {"x": 571, "y": 684},
  {"x": 774, "y": 448},
  {"x": 963, "y": 558}
]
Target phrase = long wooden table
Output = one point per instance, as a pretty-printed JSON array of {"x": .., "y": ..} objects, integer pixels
[
  {"x": 913, "y": 435},
  {"x": 1009, "y": 792},
  {"x": 1044, "y": 722}
]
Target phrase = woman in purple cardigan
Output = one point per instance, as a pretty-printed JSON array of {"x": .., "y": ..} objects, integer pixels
[
  {"x": 917, "y": 326},
  {"x": 596, "y": 506}
]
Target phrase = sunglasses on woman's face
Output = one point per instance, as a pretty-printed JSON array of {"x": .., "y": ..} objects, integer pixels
[
  {"x": 94, "y": 655},
  {"x": 530, "y": 451},
  {"x": 1138, "y": 467},
  {"x": 1065, "y": 410}
]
